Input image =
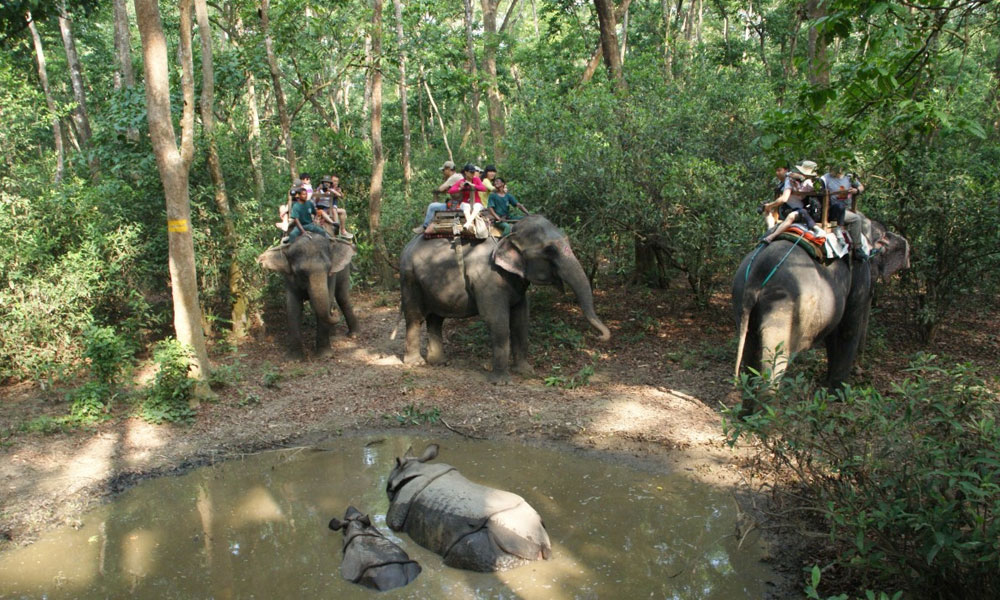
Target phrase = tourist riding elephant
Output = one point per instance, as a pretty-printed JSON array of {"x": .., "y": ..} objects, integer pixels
[
  {"x": 470, "y": 525},
  {"x": 371, "y": 559},
  {"x": 785, "y": 301},
  {"x": 315, "y": 269},
  {"x": 492, "y": 284}
]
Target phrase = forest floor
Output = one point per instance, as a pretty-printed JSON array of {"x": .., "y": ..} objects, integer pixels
[{"x": 653, "y": 393}]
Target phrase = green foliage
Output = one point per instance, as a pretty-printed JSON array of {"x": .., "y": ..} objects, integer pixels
[
  {"x": 225, "y": 375},
  {"x": 90, "y": 403},
  {"x": 413, "y": 415},
  {"x": 908, "y": 481},
  {"x": 271, "y": 376},
  {"x": 579, "y": 379},
  {"x": 108, "y": 353},
  {"x": 168, "y": 398}
]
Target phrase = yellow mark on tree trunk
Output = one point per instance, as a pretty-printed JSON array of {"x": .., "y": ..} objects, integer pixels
[{"x": 177, "y": 225}]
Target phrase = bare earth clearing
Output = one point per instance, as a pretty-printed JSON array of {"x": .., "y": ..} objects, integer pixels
[{"x": 654, "y": 397}]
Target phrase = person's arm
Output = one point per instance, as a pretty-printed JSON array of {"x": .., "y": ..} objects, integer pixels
[
  {"x": 785, "y": 195},
  {"x": 455, "y": 188},
  {"x": 514, "y": 201}
]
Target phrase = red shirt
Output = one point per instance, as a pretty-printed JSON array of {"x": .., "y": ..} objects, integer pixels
[{"x": 477, "y": 185}]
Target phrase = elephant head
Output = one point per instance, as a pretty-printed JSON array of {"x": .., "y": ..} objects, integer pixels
[
  {"x": 537, "y": 251},
  {"x": 308, "y": 263},
  {"x": 890, "y": 252}
]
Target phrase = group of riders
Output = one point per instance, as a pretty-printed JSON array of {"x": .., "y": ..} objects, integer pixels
[
  {"x": 307, "y": 206},
  {"x": 803, "y": 196}
]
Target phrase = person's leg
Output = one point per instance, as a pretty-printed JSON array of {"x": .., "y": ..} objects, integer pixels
[
  {"x": 781, "y": 228},
  {"x": 314, "y": 228},
  {"x": 294, "y": 234},
  {"x": 432, "y": 208},
  {"x": 806, "y": 218}
]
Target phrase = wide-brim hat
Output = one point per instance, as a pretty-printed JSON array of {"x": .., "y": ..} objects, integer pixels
[
  {"x": 448, "y": 165},
  {"x": 807, "y": 167}
]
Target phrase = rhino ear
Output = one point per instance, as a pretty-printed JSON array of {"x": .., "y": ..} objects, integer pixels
[
  {"x": 429, "y": 453},
  {"x": 508, "y": 256},
  {"x": 336, "y": 524},
  {"x": 399, "y": 462},
  {"x": 352, "y": 513},
  {"x": 365, "y": 520},
  {"x": 275, "y": 260},
  {"x": 408, "y": 453},
  {"x": 340, "y": 256}
]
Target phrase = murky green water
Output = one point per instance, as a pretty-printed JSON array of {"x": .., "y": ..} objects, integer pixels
[{"x": 257, "y": 528}]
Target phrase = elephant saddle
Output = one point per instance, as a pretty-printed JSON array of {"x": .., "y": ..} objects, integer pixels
[
  {"x": 449, "y": 224},
  {"x": 811, "y": 243}
]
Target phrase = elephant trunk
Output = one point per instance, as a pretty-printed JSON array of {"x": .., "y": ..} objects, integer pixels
[
  {"x": 319, "y": 296},
  {"x": 572, "y": 274}
]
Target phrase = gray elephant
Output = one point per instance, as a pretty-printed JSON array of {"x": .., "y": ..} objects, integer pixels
[
  {"x": 784, "y": 302},
  {"x": 489, "y": 279},
  {"x": 470, "y": 525},
  {"x": 315, "y": 269},
  {"x": 371, "y": 559}
]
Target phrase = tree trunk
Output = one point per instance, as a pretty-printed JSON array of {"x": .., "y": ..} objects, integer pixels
[
  {"x": 494, "y": 106},
  {"x": 595, "y": 58},
  {"x": 444, "y": 132},
  {"x": 124, "y": 76},
  {"x": 173, "y": 164},
  {"x": 470, "y": 66},
  {"x": 366, "y": 97},
  {"x": 420, "y": 109},
  {"x": 80, "y": 117},
  {"x": 43, "y": 77},
  {"x": 378, "y": 160},
  {"x": 668, "y": 53},
  {"x": 255, "y": 150},
  {"x": 279, "y": 96},
  {"x": 819, "y": 66},
  {"x": 624, "y": 38},
  {"x": 609, "y": 42},
  {"x": 404, "y": 109},
  {"x": 239, "y": 301}
]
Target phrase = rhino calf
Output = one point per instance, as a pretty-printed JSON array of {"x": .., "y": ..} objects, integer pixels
[
  {"x": 470, "y": 525},
  {"x": 370, "y": 559}
]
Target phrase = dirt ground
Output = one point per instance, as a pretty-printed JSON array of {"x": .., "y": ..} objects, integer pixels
[{"x": 654, "y": 391}]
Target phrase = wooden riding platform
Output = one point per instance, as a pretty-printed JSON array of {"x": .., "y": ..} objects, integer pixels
[{"x": 448, "y": 224}]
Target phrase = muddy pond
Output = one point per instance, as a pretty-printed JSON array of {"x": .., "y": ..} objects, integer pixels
[{"x": 257, "y": 528}]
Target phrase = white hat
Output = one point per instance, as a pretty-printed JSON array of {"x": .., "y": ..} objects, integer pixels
[{"x": 807, "y": 167}]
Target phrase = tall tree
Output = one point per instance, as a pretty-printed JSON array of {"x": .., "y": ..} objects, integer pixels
[
  {"x": 279, "y": 95},
  {"x": 494, "y": 106},
  {"x": 174, "y": 164},
  {"x": 470, "y": 66},
  {"x": 609, "y": 42},
  {"x": 819, "y": 65},
  {"x": 407, "y": 168},
  {"x": 124, "y": 76},
  {"x": 80, "y": 115},
  {"x": 237, "y": 297},
  {"x": 378, "y": 159},
  {"x": 43, "y": 77}
]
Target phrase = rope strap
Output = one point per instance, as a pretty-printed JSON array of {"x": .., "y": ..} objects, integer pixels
[{"x": 780, "y": 262}]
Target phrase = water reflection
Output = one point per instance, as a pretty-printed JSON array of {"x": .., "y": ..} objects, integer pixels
[{"x": 257, "y": 528}]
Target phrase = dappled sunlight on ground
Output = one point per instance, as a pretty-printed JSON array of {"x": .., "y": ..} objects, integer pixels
[
  {"x": 141, "y": 440},
  {"x": 91, "y": 463}
]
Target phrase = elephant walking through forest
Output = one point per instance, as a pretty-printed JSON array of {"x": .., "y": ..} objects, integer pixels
[
  {"x": 316, "y": 269},
  {"x": 784, "y": 302},
  {"x": 489, "y": 279}
]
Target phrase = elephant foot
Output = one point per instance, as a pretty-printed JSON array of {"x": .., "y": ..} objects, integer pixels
[
  {"x": 296, "y": 354},
  {"x": 352, "y": 334},
  {"x": 524, "y": 369},
  {"x": 413, "y": 360},
  {"x": 436, "y": 360},
  {"x": 499, "y": 378},
  {"x": 324, "y": 352}
]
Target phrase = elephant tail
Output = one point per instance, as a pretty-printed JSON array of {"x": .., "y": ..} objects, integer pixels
[
  {"x": 748, "y": 304},
  {"x": 395, "y": 330}
]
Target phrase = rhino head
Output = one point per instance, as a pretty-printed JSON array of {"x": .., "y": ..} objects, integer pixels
[
  {"x": 407, "y": 469},
  {"x": 353, "y": 524}
]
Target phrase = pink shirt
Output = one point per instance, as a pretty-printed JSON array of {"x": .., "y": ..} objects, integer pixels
[{"x": 477, "y": 185}]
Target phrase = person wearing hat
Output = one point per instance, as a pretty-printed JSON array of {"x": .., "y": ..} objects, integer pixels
[
  {"x": 302, "y": 216},
  {"x": 327, "y": 197},
  {"x": 798, "y": 184},
  {"x": 450, "y": 178},
  {"x": 469, "y": 188},
  {"x": 284, "y": 209}
]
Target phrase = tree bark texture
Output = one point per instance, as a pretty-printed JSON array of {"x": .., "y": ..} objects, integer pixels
[
  {"x": 43, "y": 77},
  {"x": 494, "y": 105},
  {"x": 609, "y": 42},
  {"x": 279, "y": 96},
  {"x": 378, "y": 159},
  {"x": 173, "y": 164},
  {"x": 470, "y": 63},
  {"x": 404, "y": 109},
  {"x": 80, "y": 116},
  {"x": 819, "y": 66},
  {"x": 124, "y": 77},
  {"x": 238, "y": 299},
  {"x": 595, "y": 58}
]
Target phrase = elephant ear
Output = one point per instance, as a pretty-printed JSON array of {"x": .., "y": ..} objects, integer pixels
[
  {"x": 274, "y": 259},
  {"x": 508, "y": 256},
  {"x": 340, "y": 256}
]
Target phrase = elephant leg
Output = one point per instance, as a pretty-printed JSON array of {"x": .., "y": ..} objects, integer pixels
[
  {"x": 519, "y": 337},
  {"x": 842, "y": 348},
  {"x": 342, "y": 294},
  {"x": 775, "y": 349},
  {"x": 412, "y": 355},
  {"x": 319, "y": 299},
  {"x": 498, "y": 321},
  {"x": 435, "y": 340},
  {"x": 293, "y": 309}
]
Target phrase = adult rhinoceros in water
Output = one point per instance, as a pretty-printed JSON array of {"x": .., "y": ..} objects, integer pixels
[{"x": 470, "y": 525}]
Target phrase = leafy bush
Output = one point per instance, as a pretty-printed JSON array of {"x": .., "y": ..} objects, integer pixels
[
  {"x": 168, "y": 398},
  {"x": 908, "y": 482},
  {"x": 90, "y": 403},
  {"x": 108, "y": 354}
]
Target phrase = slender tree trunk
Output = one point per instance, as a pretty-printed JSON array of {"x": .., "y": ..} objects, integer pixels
[
  {"x": 80, "y": 116},
  {"x": 609, "y": 42},
  {"x": 819, "y": 66},
  {"x": 366, "y": 98},
  {"x": 255, "y": 150},
  {"x": 470, "y": 66},
  {"x": 444, "y": 131},
  {"x": 279, "y": 95},
  {"x": 668, "y": 53},
  {"x": 420, "y": 109},
  {"x": 404, "y": 108},
  {"x": 43, "y": 77},
  {"x": 378, "y": 160},
  {"x": 124, "y": 77},
  {"x": 624, "y": 38},
  {"x": 238, "y": 298},
  {"x": 494, "y": 106},
  {"x": 173, "y": 164}
]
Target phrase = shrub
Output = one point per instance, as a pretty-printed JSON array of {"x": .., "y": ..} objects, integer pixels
[
  {"x": 908, "y": 482},
  {"x": 108, "y": 354},
  {"x": 90, "y": 403},
  {"x": 168, "y": 398}
]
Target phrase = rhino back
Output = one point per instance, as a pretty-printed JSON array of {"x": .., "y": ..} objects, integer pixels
[
  {"x": 388, "y": 577},
  {"x": 366, "y": 551},
  {"x": 421, "y": 476}
]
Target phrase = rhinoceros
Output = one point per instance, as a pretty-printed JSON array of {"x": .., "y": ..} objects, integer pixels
[
  {"x": 371, "y": 559},
  {"x": 470, "y": 525}
]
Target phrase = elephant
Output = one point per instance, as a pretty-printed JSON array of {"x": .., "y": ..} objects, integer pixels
[
  {"x": 489, "y": 279},
  {"x": 371, "y": 559},
  {"x": 784, "y": 301},
  {"x": 315, "y": 268},
  {"x": 471, "y": 526}
]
